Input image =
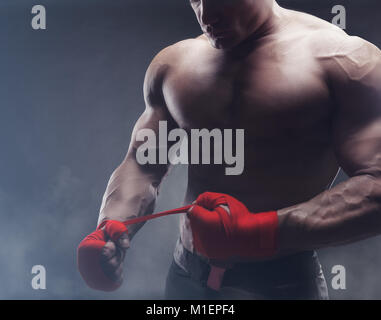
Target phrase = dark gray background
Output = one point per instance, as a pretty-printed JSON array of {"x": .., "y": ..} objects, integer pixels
[{"x": 69, "y": 98}]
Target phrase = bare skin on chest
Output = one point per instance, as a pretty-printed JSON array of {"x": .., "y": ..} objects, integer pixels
[{"x": 279, "y": 97}]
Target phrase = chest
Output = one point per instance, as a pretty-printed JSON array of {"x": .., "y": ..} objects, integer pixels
[{"x": 264, "y": 94}]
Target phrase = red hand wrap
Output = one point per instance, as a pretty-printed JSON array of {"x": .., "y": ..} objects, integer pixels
[
  {"x": 89, "y": 255},
  {"x": 216, "y": 233},
  {"x": 219, "y": 235},
  {"x": 90, "y": 249}
]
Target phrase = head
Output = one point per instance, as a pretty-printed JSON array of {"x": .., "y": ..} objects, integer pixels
[{"x": 226, "y": 23}]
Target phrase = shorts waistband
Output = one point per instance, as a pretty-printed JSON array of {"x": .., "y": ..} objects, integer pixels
[{"x": 298, "y": 269}]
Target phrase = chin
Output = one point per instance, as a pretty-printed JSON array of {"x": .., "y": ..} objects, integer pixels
[{"x": 223, "y": 43}]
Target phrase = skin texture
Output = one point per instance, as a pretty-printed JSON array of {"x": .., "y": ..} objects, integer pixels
[{"x": 308, "y": 96}]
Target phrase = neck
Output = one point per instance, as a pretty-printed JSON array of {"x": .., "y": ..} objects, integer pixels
[{"x": 267, "y": 23}]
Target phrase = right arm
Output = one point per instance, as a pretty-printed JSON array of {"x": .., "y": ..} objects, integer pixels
[
  {"x": 131, "y": 192},
  {"x": 133, "y": 188}
]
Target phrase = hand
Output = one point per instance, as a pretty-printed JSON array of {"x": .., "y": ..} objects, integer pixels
[
  {"x": 225, "y": 233},
  {"x": 112, "y": 256},
  {"x": 101, "y": 255}
]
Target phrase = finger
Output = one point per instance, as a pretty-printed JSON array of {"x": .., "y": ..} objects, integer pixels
[
  {"x": 123, "y": 241},
  {"x": 197, "y": 210},
  {"x": 202, "y": 215},
  {"x": 109, "y": 250},
  {"x": 115, "y": 260},
  {"x": 113, "y": 268},
  {"x": 115, "y": 229},
  {"x": 210, "y": 200}
]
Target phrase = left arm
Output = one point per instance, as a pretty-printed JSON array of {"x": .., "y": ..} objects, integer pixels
[{"x": 351, "y": 211}]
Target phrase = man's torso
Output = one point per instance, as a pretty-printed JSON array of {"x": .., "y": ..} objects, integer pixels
[{"x": 277, "y": 90}]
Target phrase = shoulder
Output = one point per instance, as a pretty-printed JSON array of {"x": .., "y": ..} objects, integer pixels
[
  {"x": 352, "y": 58},
  {"x": 339, "y": 54},
  {"x": 173, "y": 55},
  {"x": 306, "y": 21},
  {"x": 319, "y": 36},
  {"x": 167, "y": 60}
]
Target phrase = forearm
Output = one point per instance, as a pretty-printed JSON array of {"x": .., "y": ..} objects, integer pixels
[
  {"x": 349, "y": 212},
  {"x": 131, "y": 192}
]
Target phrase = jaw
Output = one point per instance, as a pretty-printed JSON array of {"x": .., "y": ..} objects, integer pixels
[
  {"x": 222, "y": 43},
  {"x": 253, "y": 27}
]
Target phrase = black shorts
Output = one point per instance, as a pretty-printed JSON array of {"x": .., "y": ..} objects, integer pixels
[{"x": 297, "y": 277}]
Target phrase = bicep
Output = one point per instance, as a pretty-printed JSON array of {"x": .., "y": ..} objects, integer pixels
[
  {"x": 150, "y": 130},
  {"x": 156, "y": 111},
  {"x": 357, "y": 119},
  {"x": 133, "y": 185}
]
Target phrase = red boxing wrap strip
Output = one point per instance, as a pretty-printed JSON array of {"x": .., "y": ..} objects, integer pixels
[
  {"x": 89, "y": 256},
  {"x": 90, "y": 249},
  {"x": 220, "y": 235},
  {"x": 217, "y": 234}
]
